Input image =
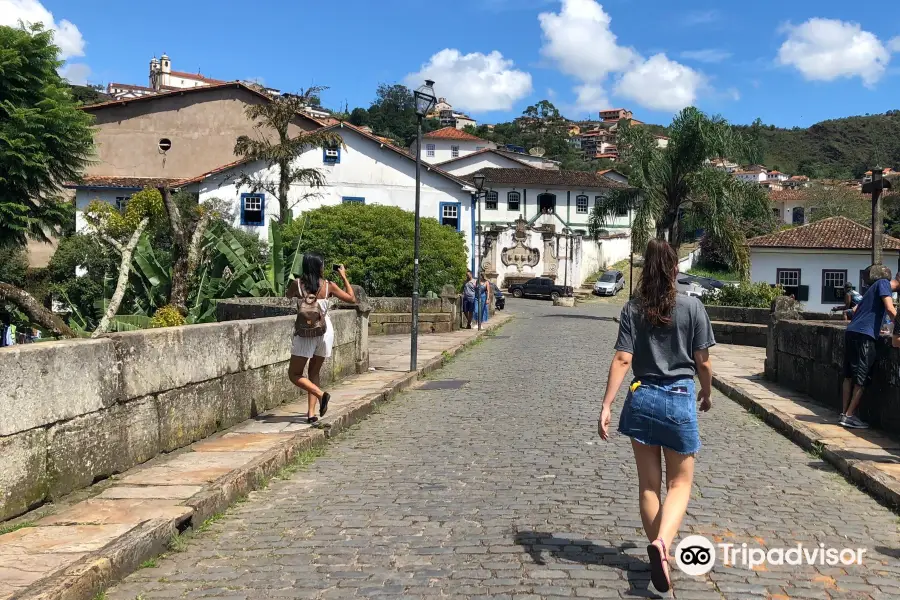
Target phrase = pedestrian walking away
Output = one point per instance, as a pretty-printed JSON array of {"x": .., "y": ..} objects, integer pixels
[
  {"x": 314, "y": 331},
  {"x": 485, "y": 297},
  {"x": 469, "y": 298},
  {"x": 859, "y": 346},
  {"x": 664, "y": 337}
]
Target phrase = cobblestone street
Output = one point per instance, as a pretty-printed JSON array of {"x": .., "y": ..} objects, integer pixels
[{"x": 503, "y": 489}]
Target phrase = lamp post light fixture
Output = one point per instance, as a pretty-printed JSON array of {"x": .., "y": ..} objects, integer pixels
[
  {"x": 425, "y": 102},
  {"x": 480, "y": 193}
]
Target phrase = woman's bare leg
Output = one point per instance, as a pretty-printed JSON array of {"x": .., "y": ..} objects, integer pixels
[
  {"x": 679, "y": 480},
  {"x": 315, "y": 371},
  {"x": 649, "y": 466},
  {"x": 295, "y": 373}
]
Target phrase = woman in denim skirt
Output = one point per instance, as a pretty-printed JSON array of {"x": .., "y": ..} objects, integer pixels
[{"x": 664, "y": 337}]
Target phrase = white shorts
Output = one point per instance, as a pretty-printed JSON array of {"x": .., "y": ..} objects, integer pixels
[{"x": 318, "y": 346}]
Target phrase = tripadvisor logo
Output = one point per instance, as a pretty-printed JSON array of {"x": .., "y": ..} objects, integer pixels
[{"x": 696, "y": 555}]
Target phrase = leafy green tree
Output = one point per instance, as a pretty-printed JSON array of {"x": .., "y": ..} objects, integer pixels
[
  {"x": 122, "y": 232},
  {"x": 45, "y": 141},
  {"x": 373, "y": 243},
  {"x": 673, "y": 189},
  {"x": 88, "y": 94},
  {"x": 275, "y": 147},
  {"x": 824, "y": 201}
]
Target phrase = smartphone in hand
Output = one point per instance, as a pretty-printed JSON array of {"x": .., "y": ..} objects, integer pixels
[{"x": 336, "y": 268}]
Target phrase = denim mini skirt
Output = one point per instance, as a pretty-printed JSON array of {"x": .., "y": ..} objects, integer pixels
[{"x": 662, "y": 413}]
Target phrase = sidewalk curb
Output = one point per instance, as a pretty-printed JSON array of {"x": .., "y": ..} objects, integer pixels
[
  {"x": 861, "y": 472},
  {"x": 95, "y": 572}
]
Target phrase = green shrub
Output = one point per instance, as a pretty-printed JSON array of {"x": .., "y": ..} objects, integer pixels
[
  {"x": 13, "y": 265},
  {"x": 167, "y": 316},
  {"x": 744, "y": 295},
  {"x": 375, "y": 243}
]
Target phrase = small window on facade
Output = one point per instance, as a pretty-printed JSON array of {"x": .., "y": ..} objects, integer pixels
[
  {"x": 450, "y": 215},
  {"x": 122, "y": 203},
  {"x": 429, "y": 150},
  {"x": 491, "y": 200},
  {"x": 332, "y": 155},
  {"x": 833, "y": 286},
  {"x": 581, "y": 204},
  {"x": 253, "y": 210},
  {"x": 454, "y": 151},
  {"x": 513, "y": 200},
  {"x": 789, "y": 277}
]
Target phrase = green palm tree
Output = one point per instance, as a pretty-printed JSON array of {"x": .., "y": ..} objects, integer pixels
[{"x": 674, "y": 188}]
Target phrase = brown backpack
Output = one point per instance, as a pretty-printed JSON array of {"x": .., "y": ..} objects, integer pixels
[{"x": 310, "y": 319}]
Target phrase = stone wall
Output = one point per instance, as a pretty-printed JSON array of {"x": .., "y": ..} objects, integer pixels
[
  {"x": 394, "y": 315},
  {"x": 759, "y": 316},
  {"x": 75, "y": 412},
  {"x": 740, "y": 334},
  {"x": 808, "y": 357}
]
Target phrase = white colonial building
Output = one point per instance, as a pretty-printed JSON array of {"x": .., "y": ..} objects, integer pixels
[
  {"x": 813, "y": 262},
  {"x": 535, "y": 223},
  {"x": 448, "y": 143},
  {"x": 752, "y": 175}
]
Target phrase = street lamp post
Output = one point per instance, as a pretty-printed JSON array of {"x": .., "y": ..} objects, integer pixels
[
  {"x": 877, "y": 223},
  {"x": 425, "y": 101},
  {"x": 480, "y": 192}
]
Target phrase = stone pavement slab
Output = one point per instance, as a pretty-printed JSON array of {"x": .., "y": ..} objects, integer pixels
[
  {"x": 501, "y": 489},
  {"x": 867, "y": 456},
  {"x": 76, "y": 551}
]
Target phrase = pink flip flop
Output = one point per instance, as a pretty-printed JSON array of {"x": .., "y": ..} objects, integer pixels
[{"x": 658, "y": 560}]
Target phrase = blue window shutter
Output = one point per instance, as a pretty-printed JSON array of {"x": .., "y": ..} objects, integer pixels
[
  {"x": 243, "y": 220},
  {"x": 262, "y": 208}
]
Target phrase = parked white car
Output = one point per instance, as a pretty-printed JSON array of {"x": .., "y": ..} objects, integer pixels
[{"x": 609, "y": 283}]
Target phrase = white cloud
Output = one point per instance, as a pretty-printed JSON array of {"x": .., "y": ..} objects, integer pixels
[
  {"x": 894, "y": 44},
  {"x": 476, "y": 82},
  {"x": 709, "y": 55},
  {"x": 580, "y": 41},
  {"x": 75, "y": 73},
  {"x": 589, "y": 97},
  {"x": 65, "y": 33},
  {"x": 661, "y": 84},
  {"x": 828, "y": 49}
]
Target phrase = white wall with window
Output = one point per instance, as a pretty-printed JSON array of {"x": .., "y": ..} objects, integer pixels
[
  {"x": 816, "y": 277},
  {"x": 118, "y": 197},
  {"x": 573, "y": 205},
  {"x": 465, "y": 165},
  {"x": 436, "y": 150},
  {"x": 363, "y": 171}
]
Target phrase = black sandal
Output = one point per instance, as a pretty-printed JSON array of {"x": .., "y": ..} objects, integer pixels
[
  {"x": 312, "y": 420},
  {"x": 658, "y": 561},
  {"x": 323, "y": 404}
]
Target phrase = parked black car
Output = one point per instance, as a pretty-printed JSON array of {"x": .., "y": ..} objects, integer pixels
[{"x": 540, "y": 287}]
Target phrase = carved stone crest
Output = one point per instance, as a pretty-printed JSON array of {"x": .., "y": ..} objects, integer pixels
[{"x": 520, "y": 256}]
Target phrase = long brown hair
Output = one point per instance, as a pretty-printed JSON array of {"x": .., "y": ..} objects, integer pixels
[{"x": 656, "y": 291}]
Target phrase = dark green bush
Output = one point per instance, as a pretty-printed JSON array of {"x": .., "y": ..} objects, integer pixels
[
  {"x": 375, "y": 243},
  {"x": 744, "y": 295}
]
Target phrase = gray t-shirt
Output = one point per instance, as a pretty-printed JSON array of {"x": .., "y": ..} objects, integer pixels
[
  {"x": 665, "y": 352},
  {"x": 469, "y": 290}
]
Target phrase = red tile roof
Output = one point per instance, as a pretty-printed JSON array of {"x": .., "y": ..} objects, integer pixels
[
  {"x": 104, "y": 181},
  {"x": 835, "y": 233},
  {"x": 194, "y": 90},
  {"x": 452, "y": 133},
  {"x": 195, "y": 76}
]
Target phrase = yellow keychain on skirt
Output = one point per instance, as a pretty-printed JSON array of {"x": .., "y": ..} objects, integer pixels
[{"x": 635, "y": 386}]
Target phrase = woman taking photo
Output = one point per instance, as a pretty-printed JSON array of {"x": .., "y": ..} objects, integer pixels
[
  {"x": 664, "y": 337},
  {"x": 314, "y": 290}
]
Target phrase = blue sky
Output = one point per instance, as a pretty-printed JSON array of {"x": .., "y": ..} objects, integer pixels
[{"x": 790, "y": 63}]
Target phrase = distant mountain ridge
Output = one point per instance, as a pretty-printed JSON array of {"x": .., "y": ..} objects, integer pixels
[{"x": 842, "y": 148}]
